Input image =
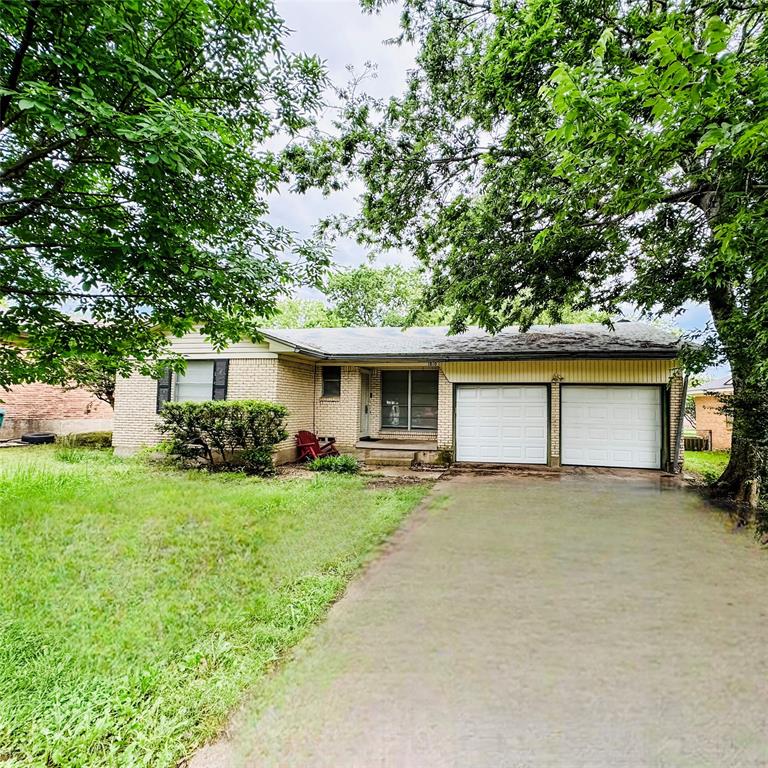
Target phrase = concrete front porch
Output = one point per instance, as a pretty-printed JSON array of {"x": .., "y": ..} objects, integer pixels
[{"x": 394, "y": 452}]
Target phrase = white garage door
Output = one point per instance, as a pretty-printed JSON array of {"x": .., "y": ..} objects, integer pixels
[
  {"x": 501, "y": 423},
  {"x": 611, "y": 426}
]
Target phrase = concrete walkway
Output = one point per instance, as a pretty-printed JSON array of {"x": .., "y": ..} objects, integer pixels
[{"x": 533, "y": 622}]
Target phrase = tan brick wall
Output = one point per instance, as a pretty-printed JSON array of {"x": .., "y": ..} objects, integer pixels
[
  {"x": 675, "y": 407},
  {"x": 554, "y": 425},
  {"x": 299, "y": 387},
  {"x": 444, "y": 413},
  {"x": 709, "y": 418},
  {"x": 339, "y": 417},
  {"x": 135, "y": 417},
  {"x": 136, "y": 400},
  {"x": 295, "y": 387},
  {"x": 252, "y": 379}
]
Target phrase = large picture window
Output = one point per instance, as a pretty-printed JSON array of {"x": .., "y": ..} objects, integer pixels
[{"x": 409, "y": 400}]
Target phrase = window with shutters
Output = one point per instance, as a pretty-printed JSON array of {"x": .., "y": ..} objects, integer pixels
[{"x": 202, "y": 380}]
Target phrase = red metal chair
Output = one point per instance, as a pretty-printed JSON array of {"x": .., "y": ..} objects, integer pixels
[{"x": 309, "y": 446}]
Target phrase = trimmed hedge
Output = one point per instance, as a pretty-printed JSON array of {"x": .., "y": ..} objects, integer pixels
[{"x": 226, "y": 434}]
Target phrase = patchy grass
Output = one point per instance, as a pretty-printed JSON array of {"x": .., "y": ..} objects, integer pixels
[
  {"x": 138, "y": 604},
  {"x": 708, "y": 465}
]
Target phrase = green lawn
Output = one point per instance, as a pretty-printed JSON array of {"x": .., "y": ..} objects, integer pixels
[
  {"x": 707, "y": 464},
  {"x": 138, "y": 605}
]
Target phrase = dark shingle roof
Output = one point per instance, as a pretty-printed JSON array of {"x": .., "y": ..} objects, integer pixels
[
  {"x": 721, "y": 384},
  {"x": 625, "y": 339}
]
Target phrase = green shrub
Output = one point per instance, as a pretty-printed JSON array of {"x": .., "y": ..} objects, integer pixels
[
  {"x": 342, "y": 464},
  {"x": 86, "y": 440},
  {"x": 257, "y": 461},
  {"x": 227, "y": 434}
]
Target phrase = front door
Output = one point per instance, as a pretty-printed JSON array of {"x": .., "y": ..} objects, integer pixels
[{"x": 365, "y": 404}]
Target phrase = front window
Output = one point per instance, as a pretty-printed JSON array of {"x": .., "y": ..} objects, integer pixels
[
  {"x": 409, "y": 400},
  {"x": 196, "y": 383}
]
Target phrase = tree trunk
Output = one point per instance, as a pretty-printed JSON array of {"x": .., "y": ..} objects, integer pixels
[
  {"x": 744, "y": 474},
  {"x": 748, "y": 464}
]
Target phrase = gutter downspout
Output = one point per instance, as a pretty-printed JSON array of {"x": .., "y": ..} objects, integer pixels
[{"x": 677, "y": 465}]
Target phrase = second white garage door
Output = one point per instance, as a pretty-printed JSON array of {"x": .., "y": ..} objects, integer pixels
[
  {"x": 611, "y": 426},
  {"x": 503, "y": 424}
]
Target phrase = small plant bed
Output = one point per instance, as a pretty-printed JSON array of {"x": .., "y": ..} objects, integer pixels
[
  {"x": 139, "y": 603},
  {"x": 343, "y": 465},
  {"x": 706, "y": 466}
]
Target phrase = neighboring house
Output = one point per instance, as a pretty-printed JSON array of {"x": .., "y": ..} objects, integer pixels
[
  {"x": 561, "y": 394},
  {"x": 711, "y": 422},
  {"x": 45, "y": 408}
]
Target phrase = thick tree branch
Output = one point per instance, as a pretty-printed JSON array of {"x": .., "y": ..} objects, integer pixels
[{"x": 18, "y": 59}]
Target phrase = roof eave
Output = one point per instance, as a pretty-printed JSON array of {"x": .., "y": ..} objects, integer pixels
[{"x": 652, "y": 354}]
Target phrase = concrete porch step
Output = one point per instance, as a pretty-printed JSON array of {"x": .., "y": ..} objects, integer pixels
[
  {"x": 386, "y": 453},
  {"x": 389, "y": 461}
]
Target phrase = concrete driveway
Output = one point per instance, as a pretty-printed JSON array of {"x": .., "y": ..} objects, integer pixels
[{"x": 569, "y": 621}]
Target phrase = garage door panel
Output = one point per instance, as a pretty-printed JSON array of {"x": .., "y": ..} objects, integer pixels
[
  {"x": 502, "y": 424},
  {"x": 611, "y": 426}
]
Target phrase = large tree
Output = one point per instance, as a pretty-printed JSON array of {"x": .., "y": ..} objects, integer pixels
[
  {"x": 370, "y": 296},
  {"x": 133, "y": 176},
  {"x": 552, "y": 153}
]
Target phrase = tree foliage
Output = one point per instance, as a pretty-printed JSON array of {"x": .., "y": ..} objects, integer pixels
[
  {"x": 302, "y": 313},
  {"x": 132, "y": 183},
  {"x": 578, "y": 153},
  {"x": 370, "y": 296},
  {"x": 361, "y": 296}
]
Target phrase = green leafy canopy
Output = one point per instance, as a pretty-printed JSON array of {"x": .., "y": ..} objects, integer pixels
[
  {"x": 575, "y": 153},
  {"x": 134, "y": 176}
]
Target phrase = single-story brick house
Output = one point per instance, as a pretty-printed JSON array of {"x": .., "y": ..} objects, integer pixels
[
  {"x": 555, "y": 395},
  {"x": 46, "y": 408},
  {"x": 711, "y": 422}
]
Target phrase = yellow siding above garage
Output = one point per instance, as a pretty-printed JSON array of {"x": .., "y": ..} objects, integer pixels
[{"x": 568, "y": 371}]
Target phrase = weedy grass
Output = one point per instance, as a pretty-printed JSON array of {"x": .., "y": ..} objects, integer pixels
[
  {"x": 139, "y": 604},
  {"x": 342, "y": 464},
  {"x": 707, "y": 464}
]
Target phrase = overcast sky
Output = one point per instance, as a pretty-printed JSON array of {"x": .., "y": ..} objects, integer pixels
[{"x": 338, "y": 32}]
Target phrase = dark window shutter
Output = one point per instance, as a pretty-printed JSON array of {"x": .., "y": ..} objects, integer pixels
[
  {"x": 163, "y": 388},
  {"x": 220, "y": 376}
]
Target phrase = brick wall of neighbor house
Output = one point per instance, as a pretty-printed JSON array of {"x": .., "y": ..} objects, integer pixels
[
  {"x": 136, "y": 400},
  {"x": 44, "y": 408},
  {"x": 339, "y": 417},
  {"x": 709, "y": 418}
]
